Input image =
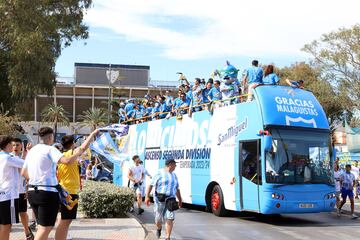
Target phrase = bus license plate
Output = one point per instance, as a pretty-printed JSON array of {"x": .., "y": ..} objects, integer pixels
[{"x": 306, "y": 205}]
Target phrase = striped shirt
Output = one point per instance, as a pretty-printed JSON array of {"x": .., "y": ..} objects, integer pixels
[
  {"x": 165, "y": 182},
  {"x": 347, "y": 179},
  {"x": 41, "y": 164}
]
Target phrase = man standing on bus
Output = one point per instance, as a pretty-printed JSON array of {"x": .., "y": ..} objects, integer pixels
[
  {"x": 347, "y": 182},
  {"x": 166, "y": 186},
  {"x": 253, "y": 78}
]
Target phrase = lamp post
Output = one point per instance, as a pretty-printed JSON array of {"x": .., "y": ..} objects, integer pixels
[
  {"x": 108, "y": 74},
  {"x": 112, "y": 76}
]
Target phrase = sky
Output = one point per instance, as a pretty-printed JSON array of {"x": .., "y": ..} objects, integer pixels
[{"x": 196, "y": 36}]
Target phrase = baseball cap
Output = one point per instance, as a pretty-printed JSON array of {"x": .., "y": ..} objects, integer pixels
[{"x": 169, "y": 161}]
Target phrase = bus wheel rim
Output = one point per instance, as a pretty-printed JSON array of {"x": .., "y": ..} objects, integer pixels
[{"x": 215, "y": 200}]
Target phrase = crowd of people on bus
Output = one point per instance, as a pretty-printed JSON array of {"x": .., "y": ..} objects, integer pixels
[{"x": 223, "y": 89}]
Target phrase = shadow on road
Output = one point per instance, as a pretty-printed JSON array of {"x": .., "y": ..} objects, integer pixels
[{"x": 300, "y": 220}]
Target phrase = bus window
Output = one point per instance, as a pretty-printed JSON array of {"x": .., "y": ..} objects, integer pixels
[
  {"x": 250, "y": 159},
  {"x": 299, "y": 157}
]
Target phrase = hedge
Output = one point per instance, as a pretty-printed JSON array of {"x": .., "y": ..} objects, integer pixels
[{"x": 105, "y": 200}]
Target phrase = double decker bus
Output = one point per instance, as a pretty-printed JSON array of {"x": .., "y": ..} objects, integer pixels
[{"x": 271, "y": 155}]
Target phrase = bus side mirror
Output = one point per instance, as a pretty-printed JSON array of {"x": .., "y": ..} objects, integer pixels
[{"x": 267, "y": 143}]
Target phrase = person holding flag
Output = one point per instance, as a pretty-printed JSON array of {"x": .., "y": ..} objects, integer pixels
[{"x": 69, "y": 178}]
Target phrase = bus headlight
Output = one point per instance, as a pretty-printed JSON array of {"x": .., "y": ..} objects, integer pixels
[
  {"x": 330, "y": 196},
  {"x": 277, "y": 196}
]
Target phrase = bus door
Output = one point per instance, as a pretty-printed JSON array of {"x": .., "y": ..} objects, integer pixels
[{"x": 250, "y": 172}]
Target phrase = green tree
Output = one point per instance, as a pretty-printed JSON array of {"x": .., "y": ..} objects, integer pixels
[
  {"x": 96, "y": 117},
  {"x": 334, "y": 100},
  {"x": 337, "y": 55},
  {"x": 32, "y": 35},
  {"x": 55, "y": 114}
]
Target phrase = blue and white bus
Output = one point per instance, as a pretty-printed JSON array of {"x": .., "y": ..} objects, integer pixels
[{"x": 271, "y": 155}]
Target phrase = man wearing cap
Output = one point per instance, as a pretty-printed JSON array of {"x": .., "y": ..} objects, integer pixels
[{"x": 165, "y": 184}]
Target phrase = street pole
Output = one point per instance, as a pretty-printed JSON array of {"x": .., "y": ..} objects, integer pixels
[{"x": 109, "y": 78}]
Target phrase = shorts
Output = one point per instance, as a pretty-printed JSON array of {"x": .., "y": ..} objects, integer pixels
[
  {"x": 22, "y": 203},
  {"x": 347, "y": 193},
  {"x": 45, "y": 205},
  {"x": 161, "y": 213},
  {"x": 9, "y": 212},
  {"x": 137, "y": 188},
  {"x": 69, "y": 214}
]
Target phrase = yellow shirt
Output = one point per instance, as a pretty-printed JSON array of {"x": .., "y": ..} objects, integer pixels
[{"x": 68, "y": 175}]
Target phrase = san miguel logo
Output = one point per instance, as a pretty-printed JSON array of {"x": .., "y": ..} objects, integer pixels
[{"x": 233, "y": 131}]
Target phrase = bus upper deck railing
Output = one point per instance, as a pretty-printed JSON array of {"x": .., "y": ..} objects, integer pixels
[{"x": 187, "y": 110}]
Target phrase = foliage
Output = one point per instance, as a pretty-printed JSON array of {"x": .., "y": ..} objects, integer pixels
[
  {"x": 55, "y": 114},
  {"x": 105, "y": 200},
  {"x": 8, "y": 124},
  {"x": 334, "y": 100},
  {"x": 94, "y": 117},
  {"x": 32, "y": 35},
  {"x": 337, "y": 55}
]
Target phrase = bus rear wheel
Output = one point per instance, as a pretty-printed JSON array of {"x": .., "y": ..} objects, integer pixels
[{"x": 217, "y": 202}]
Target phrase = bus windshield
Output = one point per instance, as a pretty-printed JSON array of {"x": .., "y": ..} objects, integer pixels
[{"x": 299, "y": 157}]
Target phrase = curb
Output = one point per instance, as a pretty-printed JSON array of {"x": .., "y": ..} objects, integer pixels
[{"x": 149, "y": 235}]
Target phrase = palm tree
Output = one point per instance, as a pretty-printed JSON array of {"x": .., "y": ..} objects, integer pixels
[
  {"x": 56, "y": 114},
  {"x": 94, "y": 117}
]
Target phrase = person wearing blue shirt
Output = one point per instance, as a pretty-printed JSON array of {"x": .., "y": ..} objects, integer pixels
[
  {"x": 129, "y": 106},
  {"x": 164, "y": 108},
  {"x": 206, "y": 91},
  {"x": 214, "y": 93},
  {"x": 168, "y": 99},
  {"x": 253, "y": 77},
  {"x": 270, "y": 78},
  {"x": 156, "y": 109},
  {"x": 166, "y": 185},
  {"x": 181, "y": 104},
  {"x": 188, "y": 92},
  {"x": 295, "y": 84},
  {"x": 135, "y": 113}
]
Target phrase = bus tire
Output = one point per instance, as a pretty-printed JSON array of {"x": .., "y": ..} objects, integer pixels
[{"x": 217, "y": 202}]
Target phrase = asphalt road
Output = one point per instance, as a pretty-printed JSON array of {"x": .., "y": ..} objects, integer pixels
[{"x": 194, "y": 224}]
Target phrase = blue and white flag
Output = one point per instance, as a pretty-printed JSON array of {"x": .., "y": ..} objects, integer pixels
[
  {"x": 118, "y": 129},
  {"x": 105, "y": 146}
]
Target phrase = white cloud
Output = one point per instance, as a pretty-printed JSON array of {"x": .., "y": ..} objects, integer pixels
[{"x": 226, "y": 28}]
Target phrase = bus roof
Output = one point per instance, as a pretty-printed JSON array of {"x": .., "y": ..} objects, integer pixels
[{"x": 287, "y": 106}]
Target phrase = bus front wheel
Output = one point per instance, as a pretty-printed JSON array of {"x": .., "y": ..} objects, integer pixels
[{"x": 217, "y": 201}]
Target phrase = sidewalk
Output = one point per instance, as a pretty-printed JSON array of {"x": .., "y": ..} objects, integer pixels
[{"x": 95, "y": 229}]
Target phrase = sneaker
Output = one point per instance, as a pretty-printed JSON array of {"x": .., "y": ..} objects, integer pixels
[
  {"x": 131, "y": 209},
  {"x": 158, "y": 233},
  {"x": 32, "y": 225},
  {"x": 140, "y": 211},
  {"x": 353, "y": 216},
  {"x": 338, "y": 212}
]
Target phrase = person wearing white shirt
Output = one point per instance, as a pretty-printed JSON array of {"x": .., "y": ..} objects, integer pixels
[
  {"x": 337, "y": 177},
  {"x": 40, "y": 171},
  {"x": 17, "y": 150},
  {"x": 136, "y": 177},
  {"x": 9, "y": 187}
]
